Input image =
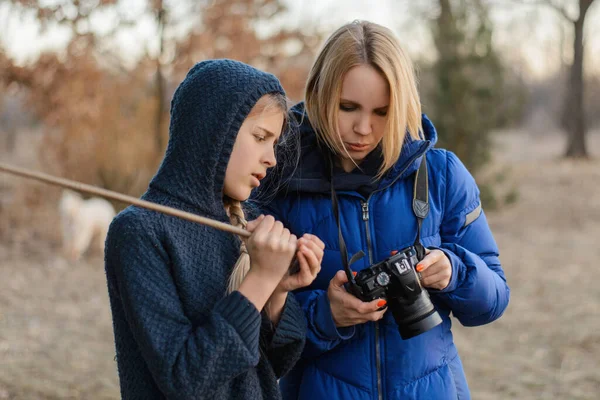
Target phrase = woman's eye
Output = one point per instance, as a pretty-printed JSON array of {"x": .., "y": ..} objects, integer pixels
[
  {"x": 345, "y": 107},
  {"x": 260, "y": 138},
  {"x": 381, "y": 113}
]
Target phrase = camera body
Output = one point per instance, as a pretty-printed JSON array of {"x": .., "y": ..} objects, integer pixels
[{"x": 396, "y": 280}]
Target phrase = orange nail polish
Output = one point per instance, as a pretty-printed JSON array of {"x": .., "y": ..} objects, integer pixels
[
  {"x": 381, "y": 303},
  {"x": 393, "y": 252},
  {"x": 419, "y": 268},
  {"x": 354, "y": 273}
]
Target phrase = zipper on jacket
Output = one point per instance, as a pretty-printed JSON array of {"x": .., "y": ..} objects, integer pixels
[{"x": 365, "y": 216}]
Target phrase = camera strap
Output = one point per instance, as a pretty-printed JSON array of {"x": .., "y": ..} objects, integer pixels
[
  {"x": 420, "y": 209},
  {"x": 336, "y": 212},
  {"x": 421, "y": 203}
]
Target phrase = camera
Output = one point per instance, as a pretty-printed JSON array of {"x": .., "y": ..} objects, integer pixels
[{"x": 396, "y": 280}]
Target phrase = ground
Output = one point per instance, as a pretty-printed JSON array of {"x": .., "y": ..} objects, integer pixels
[{"x": 56, "y": 338}]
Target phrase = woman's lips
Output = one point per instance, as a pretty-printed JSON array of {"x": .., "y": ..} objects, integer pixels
[{"x": 357, "y": 146}]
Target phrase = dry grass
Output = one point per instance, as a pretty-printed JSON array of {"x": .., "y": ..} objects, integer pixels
[
  {"x": 55, "y": 329},
  {"x": 547, "y": 345}
]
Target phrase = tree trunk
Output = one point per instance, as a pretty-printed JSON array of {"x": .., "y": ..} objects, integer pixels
[
  {"x": 159, "y": 83},
  {"x": 574, "y": 107},
  {"x": 11, "y": 139}
]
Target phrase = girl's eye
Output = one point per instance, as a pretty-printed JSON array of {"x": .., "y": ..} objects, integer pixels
[
  {"x": 260, "y": 138},
  {"x": 381, "y": 113},
  {"x": 347, "y": 108}
]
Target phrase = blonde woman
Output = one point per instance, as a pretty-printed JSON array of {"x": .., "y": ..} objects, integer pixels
[
  {"x": 363, "y": 137},
  {"x": 190, "y": 322}
]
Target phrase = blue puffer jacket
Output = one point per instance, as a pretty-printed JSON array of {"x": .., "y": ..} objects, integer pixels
[{"x": 371, "y": 361}]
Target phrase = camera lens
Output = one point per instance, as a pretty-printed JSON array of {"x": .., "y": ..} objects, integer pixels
[{"x": 416, "y": 318}]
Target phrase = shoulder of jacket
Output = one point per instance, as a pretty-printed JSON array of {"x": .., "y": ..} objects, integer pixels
[
  {"x": 137, "y": 219},
  {"x": 437, "y": 158}
]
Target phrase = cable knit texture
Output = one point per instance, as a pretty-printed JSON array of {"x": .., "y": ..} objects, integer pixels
[{"x": 177, "y": 334}]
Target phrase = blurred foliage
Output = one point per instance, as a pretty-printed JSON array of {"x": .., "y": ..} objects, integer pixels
[
  {"x": 105, "y": 118},
  {"x": 107, "y": 121},
  {"x": 469, "y": 81}
]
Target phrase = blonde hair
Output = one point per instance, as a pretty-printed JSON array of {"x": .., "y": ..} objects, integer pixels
[
  {"x": 360, "y": 43},
  {"x": 237, "y": 218},
  {"x": 234, "y": 209}
]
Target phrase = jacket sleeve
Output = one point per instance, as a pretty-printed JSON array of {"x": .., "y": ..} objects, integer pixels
[
  {"x": 322, "y": 335},
  {"x": 284, "y": 343},
  {"x": 187, "y": 361},
  {"x": 477, "y": 293}
]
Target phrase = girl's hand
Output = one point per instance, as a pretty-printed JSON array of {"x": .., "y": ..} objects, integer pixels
[
  {"x": 310, "y": 255},
  {"x": 271, "y": 248}
]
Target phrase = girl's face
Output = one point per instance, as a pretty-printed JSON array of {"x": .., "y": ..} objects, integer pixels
[
  {"x": 253, "y": 152},
  {"x": 362, "y": 116}
]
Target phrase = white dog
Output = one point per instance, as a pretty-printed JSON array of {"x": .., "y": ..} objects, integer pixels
[{"x": 82, "y": 222}]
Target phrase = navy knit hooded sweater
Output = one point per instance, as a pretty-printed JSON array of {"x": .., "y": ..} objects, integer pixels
[{"x": 178, "y": 335}]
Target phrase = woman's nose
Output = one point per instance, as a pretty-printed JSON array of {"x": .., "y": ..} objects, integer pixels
[{"x": 363, "y": 125}]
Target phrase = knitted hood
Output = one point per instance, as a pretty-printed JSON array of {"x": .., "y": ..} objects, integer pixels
[{"x": 207, "y": 110}]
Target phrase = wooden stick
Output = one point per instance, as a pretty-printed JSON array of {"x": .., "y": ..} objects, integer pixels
[{"x": 82, "y": 187}]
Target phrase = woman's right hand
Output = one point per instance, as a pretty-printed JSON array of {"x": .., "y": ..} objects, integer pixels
[{"x": 347, "y": 309}]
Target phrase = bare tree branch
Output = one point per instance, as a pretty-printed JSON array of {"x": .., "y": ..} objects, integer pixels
[
  {"x": 561, "y": 10},
  {"x": 548, "y": 3}
]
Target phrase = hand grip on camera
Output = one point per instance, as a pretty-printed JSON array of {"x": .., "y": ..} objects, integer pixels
[{"x": 347, "y": 309}]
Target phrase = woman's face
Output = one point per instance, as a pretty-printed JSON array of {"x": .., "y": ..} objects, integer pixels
[
  {"x": 253, "y": 153},
  {"x": 362, "y": 115}
]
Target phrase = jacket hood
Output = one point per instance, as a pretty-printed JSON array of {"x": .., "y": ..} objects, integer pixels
[{"x": 207, "y": 110}]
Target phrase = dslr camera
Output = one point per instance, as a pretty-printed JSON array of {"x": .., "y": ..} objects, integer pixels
[{"x": 396, "y": 280}]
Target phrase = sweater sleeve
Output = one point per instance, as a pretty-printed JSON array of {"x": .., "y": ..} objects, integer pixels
[
  {"x": 186, "y": 361},
  {"x": 284, "y": 342},
  {"x": 477, "y": 293}
]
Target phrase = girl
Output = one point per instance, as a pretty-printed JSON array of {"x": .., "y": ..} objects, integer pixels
[
  {"x": 362, "y": 110},
  {"x": 187, "y": 323}
]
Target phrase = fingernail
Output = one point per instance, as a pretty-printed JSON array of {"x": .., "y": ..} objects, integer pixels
[
  {"x": 381, "y": 303},
  {"x": 393, "y": 252},
  {"x": 419, "y": 268},
  {"x": 354, "y": 273}
]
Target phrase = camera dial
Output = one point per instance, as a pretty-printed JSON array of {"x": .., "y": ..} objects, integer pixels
[{"x": 383, "y": 279}]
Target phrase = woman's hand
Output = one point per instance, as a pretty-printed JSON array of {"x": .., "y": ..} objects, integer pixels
[
  {"x": 435, "y": 269},
  {"x": 348, "y": 310}
]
